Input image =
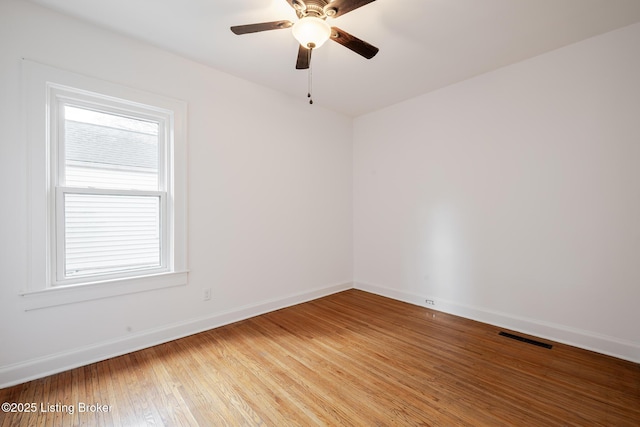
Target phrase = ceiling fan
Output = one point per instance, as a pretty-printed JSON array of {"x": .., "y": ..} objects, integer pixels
[{"x": 311, "y": 30}]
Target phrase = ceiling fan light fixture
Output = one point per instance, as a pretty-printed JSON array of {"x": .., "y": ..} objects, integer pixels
[{"x": 311, "y": 32}]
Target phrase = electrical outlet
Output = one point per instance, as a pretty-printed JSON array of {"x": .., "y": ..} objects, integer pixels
[
  {"x": 206, "y": 294},
  {"x": 430, "y": 302}
]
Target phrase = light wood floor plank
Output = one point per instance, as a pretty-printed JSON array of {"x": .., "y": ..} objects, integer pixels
[{"x": 352, "y": 358}]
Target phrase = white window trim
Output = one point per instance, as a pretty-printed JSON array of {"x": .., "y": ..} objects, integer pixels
[{"x": 39, "y": 83}]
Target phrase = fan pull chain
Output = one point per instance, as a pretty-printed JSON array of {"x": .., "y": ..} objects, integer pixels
[{"x": 310, "y": 79}]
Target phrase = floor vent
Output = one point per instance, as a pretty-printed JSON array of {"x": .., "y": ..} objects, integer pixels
[{"x": 527, "y": 340}]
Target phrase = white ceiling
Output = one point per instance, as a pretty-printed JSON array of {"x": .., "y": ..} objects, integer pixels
[{"x": 424, "y": 44}]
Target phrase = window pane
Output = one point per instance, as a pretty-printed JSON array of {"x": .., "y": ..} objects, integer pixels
[
  {"x": 104, "y": 150},
  {"x": 110, "y": 234}
]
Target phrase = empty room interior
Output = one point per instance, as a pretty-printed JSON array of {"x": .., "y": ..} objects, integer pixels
[{"x": 427, "y": 215}]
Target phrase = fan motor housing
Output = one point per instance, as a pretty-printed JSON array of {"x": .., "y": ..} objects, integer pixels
[{"x": 316, "y": 8}]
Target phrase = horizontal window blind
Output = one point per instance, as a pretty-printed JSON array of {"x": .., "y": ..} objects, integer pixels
[{"x": 111, "y": 233}]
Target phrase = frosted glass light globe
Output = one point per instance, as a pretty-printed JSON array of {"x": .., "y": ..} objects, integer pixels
[{"x": 311, "y": 32}]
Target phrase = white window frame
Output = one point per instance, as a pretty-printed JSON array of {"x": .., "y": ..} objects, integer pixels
[
  {"x": 59, "y": 97},
  {"x": 47, "y": 90}
]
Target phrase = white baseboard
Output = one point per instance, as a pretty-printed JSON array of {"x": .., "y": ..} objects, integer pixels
[
  {"x": 51, "y": 364},
  {"x": 563, "y": 334}
]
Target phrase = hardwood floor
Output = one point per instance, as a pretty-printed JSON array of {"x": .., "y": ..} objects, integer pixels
[{"x": 351, "y": 358}]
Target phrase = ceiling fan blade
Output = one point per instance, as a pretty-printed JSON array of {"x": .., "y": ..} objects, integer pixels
[
  {"x": 304, "y": 58},
  {"x": 263, "y": 26},
  {"x": 345, "y": 6},
  {"x": 360, "y": 47}
]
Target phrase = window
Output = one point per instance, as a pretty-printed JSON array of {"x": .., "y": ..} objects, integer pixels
[
  {"x": 110, "y": 182},
  {"x": 108, "y": 171}
]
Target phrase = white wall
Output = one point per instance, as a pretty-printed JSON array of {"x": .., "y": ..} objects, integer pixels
[
  {"x": 513, "y": 197},
  {"x": 269, "y": 212}
]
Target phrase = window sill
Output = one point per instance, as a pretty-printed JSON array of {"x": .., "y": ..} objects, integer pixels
[{"x": 72, "y": 294}]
